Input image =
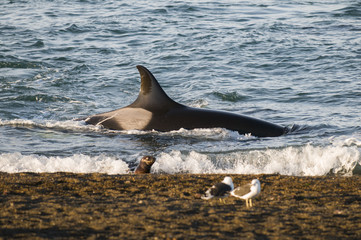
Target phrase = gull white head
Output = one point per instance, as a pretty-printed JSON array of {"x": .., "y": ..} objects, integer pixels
[
  {"x": 228, "y": 180},
  {"x": 255, "y": 187}
]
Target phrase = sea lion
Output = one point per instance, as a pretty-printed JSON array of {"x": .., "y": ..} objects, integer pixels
[{"x": 145, "y": 165}]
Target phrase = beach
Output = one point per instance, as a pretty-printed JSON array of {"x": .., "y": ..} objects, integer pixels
[{"x": 164, "y": 206}]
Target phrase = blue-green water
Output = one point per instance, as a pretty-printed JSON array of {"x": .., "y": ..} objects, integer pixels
[{"x": 294, "y": 63}]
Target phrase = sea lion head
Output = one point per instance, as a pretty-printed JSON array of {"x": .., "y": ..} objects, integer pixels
[
  {"x": 145, "y": 165},
  {"x": 149, "y": 160}
]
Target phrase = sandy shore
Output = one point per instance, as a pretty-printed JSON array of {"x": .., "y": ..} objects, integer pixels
[{"x": 66, "y": 205}]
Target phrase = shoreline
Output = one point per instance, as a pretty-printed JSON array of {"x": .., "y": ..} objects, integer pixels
[{"x": 164, "y": 206}]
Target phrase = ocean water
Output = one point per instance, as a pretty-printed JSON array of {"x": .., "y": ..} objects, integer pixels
[{"x": 294, "y": 63}]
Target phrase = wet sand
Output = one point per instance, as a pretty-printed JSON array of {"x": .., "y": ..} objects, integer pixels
[{"x": 92, "y": 206}]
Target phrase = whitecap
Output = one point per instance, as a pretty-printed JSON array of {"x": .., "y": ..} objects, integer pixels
[
  {"x": 77, "y": 163},
  {"x": 305, "y": 160},
  {"x": 50, "y": 124}
]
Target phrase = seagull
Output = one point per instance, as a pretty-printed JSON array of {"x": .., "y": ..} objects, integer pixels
[
  {"x": 219, "y": 189},
  {"x": 248, "y": 191}
]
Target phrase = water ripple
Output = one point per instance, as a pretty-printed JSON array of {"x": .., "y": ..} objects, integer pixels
[{"x": 294, "y": 63}]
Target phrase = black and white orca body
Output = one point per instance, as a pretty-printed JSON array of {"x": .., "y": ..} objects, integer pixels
[{"x": 154, "y": 110}]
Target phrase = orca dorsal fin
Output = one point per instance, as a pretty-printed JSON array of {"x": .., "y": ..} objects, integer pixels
[{"x": 151, "y": 95}]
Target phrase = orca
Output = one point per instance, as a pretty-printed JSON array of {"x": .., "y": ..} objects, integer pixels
[{"x": 154, "y": 110}]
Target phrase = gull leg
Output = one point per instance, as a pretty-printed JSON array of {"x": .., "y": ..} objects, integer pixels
[
  {"x": 250, "y": 201},
  {"x": 247, "y": 202}
]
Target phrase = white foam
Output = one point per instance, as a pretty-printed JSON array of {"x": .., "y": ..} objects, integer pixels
[
  {"x": 305, "y": 160},
  {"x": 50, "y": 124},
  {"x": 346, "y": 141},
  {"x": 175, "y": 162},
  {"x": 200, "y": 103},
  {"x": 78, "y": 163},
  {"x": 205, "y": 133},
  {"x": 300, "y": 161},
  {"x": 209, "y": 133},
  {"x": 339, "y": 156},
  {"x": 297, "y": 161}
]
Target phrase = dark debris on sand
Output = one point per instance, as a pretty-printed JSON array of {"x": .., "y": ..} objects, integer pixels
[{"x": 82, "y": 206}]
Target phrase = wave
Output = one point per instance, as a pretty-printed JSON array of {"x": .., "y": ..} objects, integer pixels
[
  {"x": 40, "y": 98},
  {"x": 335, "y": 155},
  {"x": 68, "y": 125},
  {"x": 80, "y": 126},
  {"x": 230, "y": 96},
  {"x": 22, "y": 64},
  {"x": 304, "y": 160},
  {"x": 77, "y": 163}
]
